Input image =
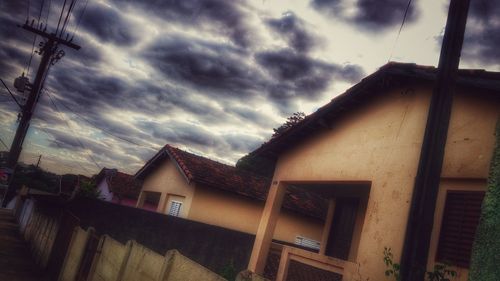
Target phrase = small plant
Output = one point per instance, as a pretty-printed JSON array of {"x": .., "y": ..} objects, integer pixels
[
  {"x": 229, "y": 272},
  {"x": 392, "y": 268},
  {"x": 440, "y": 272}
]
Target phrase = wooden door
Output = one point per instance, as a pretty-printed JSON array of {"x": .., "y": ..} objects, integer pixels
[{"x": 344, "y": 219}]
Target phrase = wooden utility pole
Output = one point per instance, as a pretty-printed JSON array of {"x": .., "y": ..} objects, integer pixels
[
  {"x": 50, "y": 54},
  {"x": 38, "y": 162},
  {"x": 423, "y": 205}
]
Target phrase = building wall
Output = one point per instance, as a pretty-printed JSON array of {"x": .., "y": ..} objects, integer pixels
[
  {"x": 168, "y": 180},
  {"x": 236, "y": 212},
  {"x": 380, "y": 142},
  {"x": 104, "y": 192},
  {"x": 211, "y": 206}
]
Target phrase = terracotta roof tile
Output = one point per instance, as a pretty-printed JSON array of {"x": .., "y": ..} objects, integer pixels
[{"x": 229, "y": 178}]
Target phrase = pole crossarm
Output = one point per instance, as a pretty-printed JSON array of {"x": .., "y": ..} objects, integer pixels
[{"x": 50, "y": 36}]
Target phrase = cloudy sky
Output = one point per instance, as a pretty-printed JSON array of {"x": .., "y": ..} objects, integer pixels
[{"x": 210, "y": 76}]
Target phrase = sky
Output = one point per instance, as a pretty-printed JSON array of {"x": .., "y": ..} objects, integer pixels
[{"x": 212, "y": 77}]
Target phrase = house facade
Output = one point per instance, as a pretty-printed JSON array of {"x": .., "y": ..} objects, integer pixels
[
  {"x": 361, "y": 151},
  {"x": 199, "y": 189},
  {"x": 119, "y": 188}
]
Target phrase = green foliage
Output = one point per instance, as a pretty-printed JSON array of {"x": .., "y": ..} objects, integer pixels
[
  {"x": 256, "y": 164},
  {"x": 392, "y": 268},
  {"x": 88, "y": 189},
  {"x": 229, "y": 272},
  {"x": 36, "y": 178},
  {"x": 290, "y": 121},
  {"x": 261, "y": 165},
  {"x": 485, "y": 258},
  {"x": 440, "y": 272}
]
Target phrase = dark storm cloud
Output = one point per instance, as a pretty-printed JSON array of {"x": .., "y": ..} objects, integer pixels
[
  {"x": 482, "y": 36},
  {"x": 294, "y": 30},
  {"x": 203, "y": 65},
  {"x": 108, "y": 25},
  {"x": 301, "y": 75},
  {"x": 373, "y": 15},
  {"x": 224, "y": 17}
]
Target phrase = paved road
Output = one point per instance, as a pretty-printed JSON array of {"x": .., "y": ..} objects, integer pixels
[{"x": 16, "y": 263}]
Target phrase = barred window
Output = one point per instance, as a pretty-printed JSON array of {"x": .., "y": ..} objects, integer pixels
[
  {"x": 461, "y": 215},
  {"x": 175, "y": 208}
]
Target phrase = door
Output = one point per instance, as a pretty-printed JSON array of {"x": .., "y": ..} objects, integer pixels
[{"x": 340, "y": 236}]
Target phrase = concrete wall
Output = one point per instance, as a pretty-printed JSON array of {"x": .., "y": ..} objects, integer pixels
[
  {"x": 380, "y": 142},
  {"x": 168, "y": 180},
  {"x": 143, "y": 264},
  {"x": 132, "y": 262},
  {"x": 110, "y": 259},
  {"x": 236, "y": 212},
  {"x": 211, "y": 246},
  {"x": 74, "y": 254}
]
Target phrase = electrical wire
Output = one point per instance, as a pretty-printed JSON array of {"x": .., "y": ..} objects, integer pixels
[
  {"x": 80, "y": 19},
  {"x": 97, "y": 127},
  {"x": 59, "y": 145},
  {"x": 31, "y": 57},
  {"x": 4, "y": 144},
  {"x": 11, "y": 94},
  {"x": 48, "y": 13},
  {"x": 400, "y": 28},
  {"x": 40, "y": 13},
  {"x": 68, "y": 16},
  {"x": 60, "y": 16},
  {"x": 28, "y": 14},
  {"x": 71, "y": 129}
]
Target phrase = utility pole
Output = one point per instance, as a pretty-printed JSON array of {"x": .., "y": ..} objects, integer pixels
[
  {"x": 423, "y": 204},
  {"x": 50, "y": 54},
  {"x": 38, "y": 162}
]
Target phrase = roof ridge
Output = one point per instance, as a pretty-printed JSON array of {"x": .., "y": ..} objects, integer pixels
[
  {"x": 172, "y": 151},
  {"x": 184, "y": 166}
]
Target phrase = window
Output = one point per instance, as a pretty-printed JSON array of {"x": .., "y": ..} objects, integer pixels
[
  {"x": 461, "y": 214},
  {"x": 175, "y": 208},
  {"x": 306, "y": 242}
]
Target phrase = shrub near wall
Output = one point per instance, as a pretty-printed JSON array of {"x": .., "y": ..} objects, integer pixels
[{"x": 211, "y": 246}]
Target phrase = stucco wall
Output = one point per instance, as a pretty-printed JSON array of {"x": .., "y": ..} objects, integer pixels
[
  {"x": 236, "y": 212},
  {"x": 471, "y": 135},
  {"x": 167, "y": 179},
  {"x": 104, "y": 192},
  {"x": 380, "y": 142}
]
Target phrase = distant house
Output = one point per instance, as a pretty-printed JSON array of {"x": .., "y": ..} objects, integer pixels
[
  {"x": 361, "y": 152},
  {"x": 119, "y": 188},
  {"x": 203, "y": 190}
]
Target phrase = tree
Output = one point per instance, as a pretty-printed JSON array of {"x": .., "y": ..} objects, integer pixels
[
  {"x": 290, "y": 122},
  {"x": 88, "y": 189},
  {"x": 485, "y": 258}
]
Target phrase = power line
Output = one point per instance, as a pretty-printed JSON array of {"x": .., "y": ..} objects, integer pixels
[
  {"x": 11, "y": 94},
  {"x": 4, "y": 144},
  {"x": 80, "y": 19},
  {"x": 400, "y": 28},
  {"x": 76, "y": 136},
  {"x": 48, "y": 13},
  {"x": 60, "y": 16},
  {"x": 68, "y": 16},
  {"x": 59, "y": 144},
  {"x": 40, "y": 13},
  {"x": 28, "y": 12},
  {"x": 97, "y": 127}
]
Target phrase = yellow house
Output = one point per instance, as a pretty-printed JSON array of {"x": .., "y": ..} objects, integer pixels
[
  {"x": 361, "y": 151},
  {"x": 199, "y": 189}
]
